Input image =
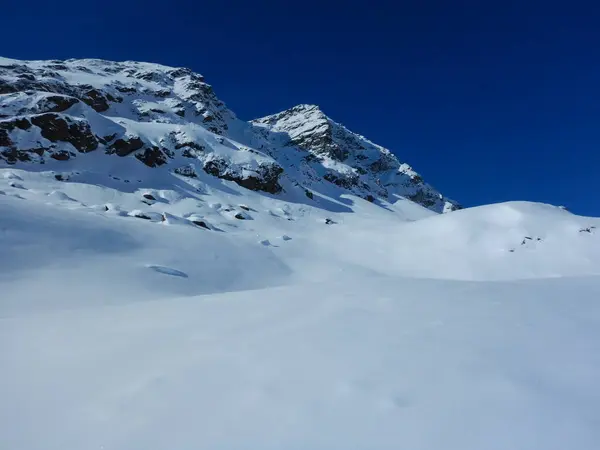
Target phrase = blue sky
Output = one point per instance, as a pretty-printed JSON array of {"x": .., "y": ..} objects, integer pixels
[{"x": 490, "y": 101}]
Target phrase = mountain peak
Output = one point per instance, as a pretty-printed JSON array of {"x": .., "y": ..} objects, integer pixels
[
  {"x": 347, "y": 159},
  {"x": 58, "y": 110},
  {"x": 303, "y": 112}
]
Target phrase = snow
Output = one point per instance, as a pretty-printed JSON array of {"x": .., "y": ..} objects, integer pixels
[
  {"x": 120, "y": 333},
  {"x": 281, "y": 322}
]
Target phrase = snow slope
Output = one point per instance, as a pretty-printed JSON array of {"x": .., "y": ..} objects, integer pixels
[
  {"x": 366, "y": 364},
  {"x": 123, "y": 333}
]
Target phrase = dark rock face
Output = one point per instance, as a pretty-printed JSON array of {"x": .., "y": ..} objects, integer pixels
[
  {"x": 266, "y": 178},
  {"x": 43, "y": 80},
  {"x": 186, "y": 171},
  {"x": 95, "y": 99},
  {"x": 61, "y": 155},
  {"x": 152, "y": 157},
  {"x": 12, "y": 155},
  {"x": 4, "y": 138},
  {"x": 347, "y": 182},
  {"x": 321, "y": 143},
  {"x": 59, "y": 103},
  {"x": 123, "y": 147},
  {"x": 9, "y": 125},
  {"x": 423, "y": 198},
  {"x": 125, "y": 90},
  {"x": 22, "y": 124},
  {"x": 188, "y": 145},
  {"x": 56, "y": 128}
]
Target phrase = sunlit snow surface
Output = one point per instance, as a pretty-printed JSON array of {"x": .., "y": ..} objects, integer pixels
[{"x": 391, "y": 328}]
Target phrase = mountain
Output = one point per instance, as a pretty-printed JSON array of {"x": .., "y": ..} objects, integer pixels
[
  {"x": 165, "y": 116},
  {"x": 329, "y": 151},
  {"x": 174, "y": 277}
]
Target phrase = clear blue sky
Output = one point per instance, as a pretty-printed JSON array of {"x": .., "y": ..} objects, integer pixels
[{"x": 490, "y": 101}]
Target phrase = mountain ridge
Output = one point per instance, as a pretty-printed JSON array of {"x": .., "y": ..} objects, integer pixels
[{"x": 158, "y": 114}]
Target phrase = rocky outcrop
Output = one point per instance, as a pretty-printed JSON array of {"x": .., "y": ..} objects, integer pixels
[
  {"x": 152, "y": 157},
  {"x": 186, "y": 171},
  {"x": 264, "y": 178},
  {"x": 345, "y": 159},
  {"x": 57, "y": 128},
  {"x": 125, "y": 146}
]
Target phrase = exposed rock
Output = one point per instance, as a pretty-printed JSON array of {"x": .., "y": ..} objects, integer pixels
[
  {"x": 61, "y": 155},
  {"x": 59, "y": 103},
  {"x": 347, "y": 182},
  {"x": 4, "y": 138},
  {"x": 423, "y": 198},
  {"x": 23, "y": 124},
  {"x": 186, "y": 171},
  {"x": 149, "y": 197},
  {"x": 9, "y": 125},
  {"x": 190, "y": 144},
  {"x": 152, "y": 157},
  {"x": 56, "y": 128},
  {"x": 95, "y": 99},
  {"x": 266, "y": 178},
  {"x": 11, "y": 155},
  {"x": 123, "y": 147},
  {"x": 125, "y": 90},
  {"x": 350, "y": 161},
  {"x": 329, "y": 222}
]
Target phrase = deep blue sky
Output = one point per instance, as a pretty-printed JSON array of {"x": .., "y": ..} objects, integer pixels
[{"x": 490, "y": 101}]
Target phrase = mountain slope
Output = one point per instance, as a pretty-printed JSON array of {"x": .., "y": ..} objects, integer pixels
[
  {"x": 334, "y": 153},
  {"x": 163, "y": 116}
]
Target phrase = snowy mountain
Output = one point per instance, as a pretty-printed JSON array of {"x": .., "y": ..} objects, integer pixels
[
  {"x": 348, "y": 160},
  {"x": 174, "y": 277},
  {"x": 62, "y": 110}
]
